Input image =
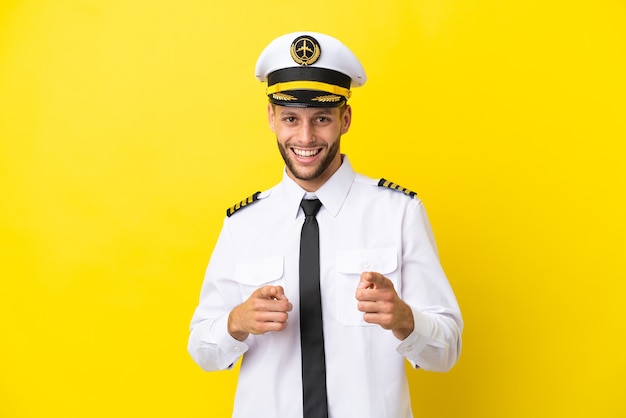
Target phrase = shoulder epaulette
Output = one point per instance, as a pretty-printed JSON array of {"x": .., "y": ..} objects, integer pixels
[
  {"x": 393, "y": 186},
  {"x": 230, "y": 211}
]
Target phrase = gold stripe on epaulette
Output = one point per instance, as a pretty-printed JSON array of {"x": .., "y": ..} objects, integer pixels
[
  {"x": 393, "y": 186},
  {"x": 230, "y": 211}
]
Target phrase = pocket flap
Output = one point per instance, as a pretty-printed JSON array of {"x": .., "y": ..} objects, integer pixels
[
  {"x": 259, "y": 272},
  {"x": 380, "y": 260}
]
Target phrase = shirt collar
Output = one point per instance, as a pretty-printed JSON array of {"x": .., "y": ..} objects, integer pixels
[{"x": 332, "y": 194}]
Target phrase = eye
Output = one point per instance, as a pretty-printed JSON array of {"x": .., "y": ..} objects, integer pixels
[{"x": 289, "y": 119}]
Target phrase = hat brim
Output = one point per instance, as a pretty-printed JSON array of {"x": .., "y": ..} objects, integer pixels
[{"x": 306, "y": 98}]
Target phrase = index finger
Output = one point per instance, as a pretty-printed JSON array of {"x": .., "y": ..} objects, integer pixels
[
  {"x": 373, "y": 280},
  {"x": 271, "y": 292}
]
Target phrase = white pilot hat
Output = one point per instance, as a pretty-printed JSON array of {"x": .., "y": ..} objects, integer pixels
[{"x": 309, "y": 69}]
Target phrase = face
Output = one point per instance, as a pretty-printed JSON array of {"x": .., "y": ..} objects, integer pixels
[{"x": 308, "y": 139}]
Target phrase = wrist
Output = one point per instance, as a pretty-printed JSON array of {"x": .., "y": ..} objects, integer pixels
[
  {"x": 233, "y": 329},
  {"x": 406, "y": 326}
]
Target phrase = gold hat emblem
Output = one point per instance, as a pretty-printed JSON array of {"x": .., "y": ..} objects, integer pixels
[{"x": 305, "y": 50}]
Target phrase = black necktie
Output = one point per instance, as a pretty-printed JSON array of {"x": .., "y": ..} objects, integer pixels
[{"x": 311, "y": 333}]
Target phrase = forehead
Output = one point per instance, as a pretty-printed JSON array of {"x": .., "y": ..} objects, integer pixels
[{"x": 307, "y": 111}]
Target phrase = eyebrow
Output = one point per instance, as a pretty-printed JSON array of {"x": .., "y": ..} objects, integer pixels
[{"x": 320, "y": 112}]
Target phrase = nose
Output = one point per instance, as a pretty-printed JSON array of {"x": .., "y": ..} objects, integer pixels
[{"x": 307, "y": 132}]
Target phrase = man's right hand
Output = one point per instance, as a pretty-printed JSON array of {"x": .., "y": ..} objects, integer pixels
[{"x": 264, "y": 311}]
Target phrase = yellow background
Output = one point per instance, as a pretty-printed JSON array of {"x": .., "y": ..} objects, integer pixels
[{"x": 128, "y": 127}]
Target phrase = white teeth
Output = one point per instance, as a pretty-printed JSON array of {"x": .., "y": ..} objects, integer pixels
[{"x": 305, "y": 153}]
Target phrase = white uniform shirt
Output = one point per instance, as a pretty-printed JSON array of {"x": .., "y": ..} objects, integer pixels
[{"x": 363, "y": 227}]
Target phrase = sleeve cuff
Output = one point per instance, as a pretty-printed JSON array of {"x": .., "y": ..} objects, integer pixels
[
  {"x": 415, "y": 342},
  {"x": 230, "y": 348}
]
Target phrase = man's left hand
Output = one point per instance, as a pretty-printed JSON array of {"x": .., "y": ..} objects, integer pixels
[{"x": 381, "y": 305}]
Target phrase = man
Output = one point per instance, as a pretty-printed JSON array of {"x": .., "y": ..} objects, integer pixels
[{"x": 325, "y": 305}]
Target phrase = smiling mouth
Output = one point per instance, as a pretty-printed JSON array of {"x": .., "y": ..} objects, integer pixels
[{"x": 306, "y": 153}]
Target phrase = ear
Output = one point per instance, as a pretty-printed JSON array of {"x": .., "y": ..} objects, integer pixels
[
  {"x": 271, "y": 116},
  {"x": 346, "y": 119}
]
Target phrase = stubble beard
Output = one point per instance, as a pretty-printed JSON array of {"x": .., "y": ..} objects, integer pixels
[{"x": 321, "y": 168}]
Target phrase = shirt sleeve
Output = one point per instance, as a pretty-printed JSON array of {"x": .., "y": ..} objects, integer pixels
[
  {"x": 429, "y": 345},
  {"x": 435, "y": 343},
  {"x": 210, "y": 345}
]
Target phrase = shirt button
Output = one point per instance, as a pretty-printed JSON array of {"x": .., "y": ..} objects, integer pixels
[{"x": 367, "y": 264}]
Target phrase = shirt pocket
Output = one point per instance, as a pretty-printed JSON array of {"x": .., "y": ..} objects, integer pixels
[
  {"x": 251, "y": 275},
  {"x": 350, "y": 265}
]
